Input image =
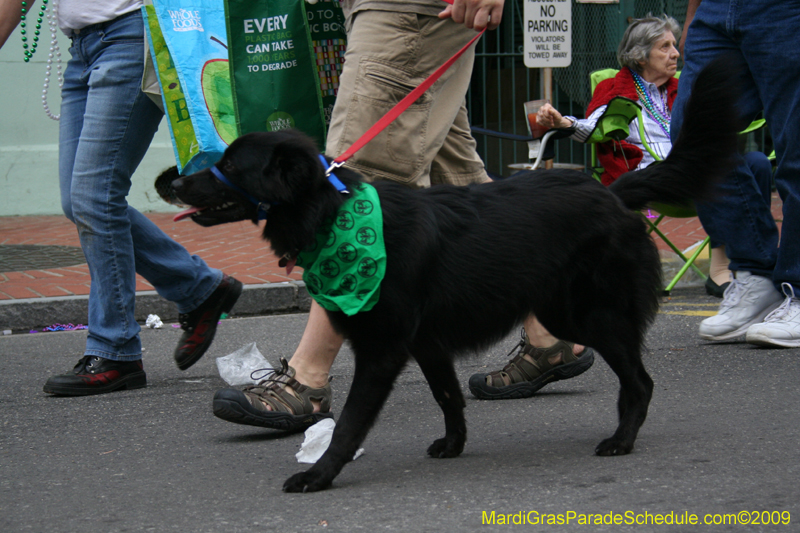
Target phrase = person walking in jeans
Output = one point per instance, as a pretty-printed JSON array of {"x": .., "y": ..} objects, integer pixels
[
  {"x": 762, "y": 37},
  {"x": 106, "y": 126}
]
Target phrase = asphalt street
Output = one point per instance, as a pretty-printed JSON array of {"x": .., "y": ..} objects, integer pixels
[{"x": 720, "y": 444}]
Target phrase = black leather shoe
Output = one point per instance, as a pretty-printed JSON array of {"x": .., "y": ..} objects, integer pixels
[
  {"x": 200, "y": 325},
  {"x": 95, "y": 375}
]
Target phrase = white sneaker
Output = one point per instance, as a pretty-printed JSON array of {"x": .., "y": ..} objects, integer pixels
[
  {"x": 747, "y": 300},
  {"x": 782, "y": 326}
]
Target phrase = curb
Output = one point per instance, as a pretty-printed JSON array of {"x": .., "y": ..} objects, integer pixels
[
  {"x": 256, "y": 300},
  {"x": 37, "y": 313}
]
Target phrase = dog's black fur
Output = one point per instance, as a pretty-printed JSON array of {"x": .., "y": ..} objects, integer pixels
[{"x": 466, "y": 265}]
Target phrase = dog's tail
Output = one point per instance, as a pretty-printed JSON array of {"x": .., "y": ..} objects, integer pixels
[{"x": 704, "y": 151}]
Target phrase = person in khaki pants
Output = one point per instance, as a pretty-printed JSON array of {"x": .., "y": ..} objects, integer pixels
[
  {"x": 430, "y": 143},
  {"x": 392, "y": 47}
]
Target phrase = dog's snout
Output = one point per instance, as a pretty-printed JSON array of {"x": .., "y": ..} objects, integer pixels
[{"x": 164, "y": 186}]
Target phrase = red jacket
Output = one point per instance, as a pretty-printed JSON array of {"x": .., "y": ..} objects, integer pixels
[{"x": 610, "y": 154}]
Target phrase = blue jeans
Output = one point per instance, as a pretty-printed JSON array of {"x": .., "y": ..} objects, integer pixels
[
  {"x": 762, "y": 36},
  {"x": 106, "y": 126},
  {"x": 755, "y": 179}
]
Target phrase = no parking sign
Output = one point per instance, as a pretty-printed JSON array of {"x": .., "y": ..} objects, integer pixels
[{"x": 548, "y": 33}]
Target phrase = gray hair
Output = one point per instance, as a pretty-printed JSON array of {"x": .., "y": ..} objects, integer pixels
[{"x": 640, "y": 37}]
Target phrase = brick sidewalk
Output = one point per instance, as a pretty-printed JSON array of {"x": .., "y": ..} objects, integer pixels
[{"x": 236, "y": 248}]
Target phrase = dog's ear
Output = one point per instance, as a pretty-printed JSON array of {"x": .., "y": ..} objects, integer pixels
[{"x": 293, "y": 171}]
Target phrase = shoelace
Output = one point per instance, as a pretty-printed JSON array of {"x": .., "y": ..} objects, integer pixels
[
  {"x": 82, "y": 363},
  {"x": 733, "y": 294},
  {"x": 278, "y": 376},
  {"x": 520, "y": 344},
  {"x": 271, "y": 376},
  {"x": 183, "y": 320},
  {"x": 86, "y": 363},
  {"x": 517, "y": 348},
  {"x": 784, "y": 310}
]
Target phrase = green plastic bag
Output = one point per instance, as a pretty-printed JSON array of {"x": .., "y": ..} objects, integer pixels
[{"x": 285, "y": 60}]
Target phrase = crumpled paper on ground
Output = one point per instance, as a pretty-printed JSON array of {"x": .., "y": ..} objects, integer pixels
[
  {"x": 153, "y": 322},
  {"x": 317, "y": 440},
  {"x": 236, "y": 368}
]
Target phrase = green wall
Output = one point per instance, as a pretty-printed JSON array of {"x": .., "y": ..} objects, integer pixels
[{"x": 29, "y": 139}]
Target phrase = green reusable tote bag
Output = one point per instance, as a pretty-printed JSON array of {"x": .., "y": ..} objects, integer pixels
[
  {"x": 186, "y": 42},
  {"x": 285, "y": 60}
]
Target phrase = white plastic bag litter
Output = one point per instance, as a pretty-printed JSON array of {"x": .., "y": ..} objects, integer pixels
[
  {"x": 318, "y": 438},
  {"x": 153, "y": 322},
  {"x": 237, "y": 367}
]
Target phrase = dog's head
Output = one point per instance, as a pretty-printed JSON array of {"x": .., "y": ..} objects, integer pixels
[{"x": 263, "y": 170}]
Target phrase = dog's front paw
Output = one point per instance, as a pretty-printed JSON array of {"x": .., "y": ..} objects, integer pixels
[
  {"x": 613, "y": 446},
  {"x": 306, "y": 482},
  {"x": 446, "y": 448}
]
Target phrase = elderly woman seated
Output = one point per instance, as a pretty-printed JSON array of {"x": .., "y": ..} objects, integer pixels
[{"x": 648, "y": 59}]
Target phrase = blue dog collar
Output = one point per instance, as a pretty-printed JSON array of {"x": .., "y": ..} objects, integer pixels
[{"x": 262, "y": 207}]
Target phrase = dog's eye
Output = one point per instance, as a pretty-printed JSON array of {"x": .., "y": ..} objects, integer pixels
[{"x": 228, "y": 167}]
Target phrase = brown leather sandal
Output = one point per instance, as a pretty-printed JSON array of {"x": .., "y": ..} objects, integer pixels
[
  {"x": 522, "y": 378},
  {"x": 269, "y": 404}
]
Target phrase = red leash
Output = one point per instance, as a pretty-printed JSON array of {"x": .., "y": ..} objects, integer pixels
[{"x": 401, "y": 106}]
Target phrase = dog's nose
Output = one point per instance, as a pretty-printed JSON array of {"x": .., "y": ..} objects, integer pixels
[{"x": 178, "y": 186}]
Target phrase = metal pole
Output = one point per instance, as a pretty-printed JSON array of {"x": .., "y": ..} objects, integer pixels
[{"x": 547, "y": 78}]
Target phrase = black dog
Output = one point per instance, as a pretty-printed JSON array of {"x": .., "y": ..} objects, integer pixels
[{"x": 466, "y": 265}]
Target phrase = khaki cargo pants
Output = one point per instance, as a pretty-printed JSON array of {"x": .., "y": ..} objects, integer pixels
[{"x": 388, "y": 55}]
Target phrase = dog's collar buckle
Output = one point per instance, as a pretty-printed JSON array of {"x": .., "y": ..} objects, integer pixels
[
  {"x": 333, "y": 166},
  {"x": 263, "y": 209},
  {"x": 331, "y": 176}
]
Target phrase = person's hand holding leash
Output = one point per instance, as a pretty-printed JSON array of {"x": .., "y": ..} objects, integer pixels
[{"x": 476, "y": 14}]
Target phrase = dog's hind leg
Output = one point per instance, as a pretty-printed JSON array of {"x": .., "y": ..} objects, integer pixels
[
  {"x": 374, "y": 376},
  {"x": 442, "y": 379},
  {"x": 636, "y": 390}
]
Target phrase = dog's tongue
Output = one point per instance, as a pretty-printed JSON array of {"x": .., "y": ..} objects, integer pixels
[
  {"x": 288, "y": 263},
  {"x": 185, "y": 214}
]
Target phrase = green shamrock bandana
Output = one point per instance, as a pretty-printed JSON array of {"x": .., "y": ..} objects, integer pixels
[{"x": 343, "y": 270}]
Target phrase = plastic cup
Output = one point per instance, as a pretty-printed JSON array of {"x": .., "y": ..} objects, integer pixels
[{"x": 531, "y": 109}]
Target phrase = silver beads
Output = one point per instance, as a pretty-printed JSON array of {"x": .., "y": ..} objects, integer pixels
[{"x": 55, "y": 53}]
